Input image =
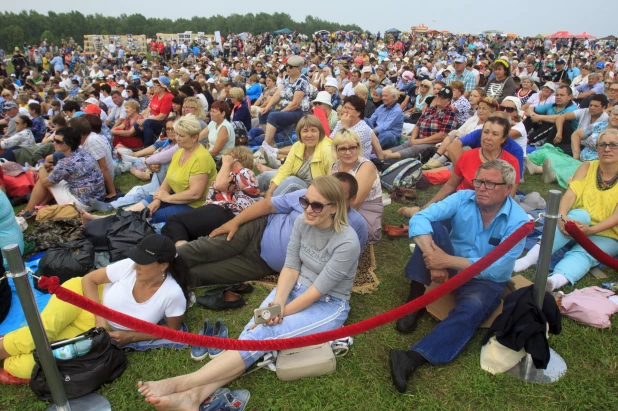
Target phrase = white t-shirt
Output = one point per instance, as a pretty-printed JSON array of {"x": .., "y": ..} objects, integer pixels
[
  {"x": 116, "y": 113},
  {"x": 203, "y": 100},
  {"x": 534, "y": 100},
  {"x": 168, "y": 301},
  {"x": 583, "y": 116},
  {"x": 348, "y": 90}
]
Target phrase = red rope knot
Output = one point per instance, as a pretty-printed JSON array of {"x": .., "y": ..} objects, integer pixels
[{"x": 51, "y": 284}]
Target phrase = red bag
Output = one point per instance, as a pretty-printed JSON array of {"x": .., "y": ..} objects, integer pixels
[
  {"x": 19, "y": 186},
  {"x": 438, "y": 177},
  {"x": 129, "y": 142}
]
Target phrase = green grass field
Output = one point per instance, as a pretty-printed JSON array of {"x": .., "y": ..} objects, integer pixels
[{"x": 362, "y": 380}]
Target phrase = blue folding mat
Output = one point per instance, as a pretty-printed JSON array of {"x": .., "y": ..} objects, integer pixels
[{"x": 16, "y": 318}]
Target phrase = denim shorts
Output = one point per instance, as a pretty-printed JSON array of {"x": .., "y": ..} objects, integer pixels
[{"x": 327, "y": 313}]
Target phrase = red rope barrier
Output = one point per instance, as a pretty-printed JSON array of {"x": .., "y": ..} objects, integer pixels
[
  {"x": 587, "y": 244},
  {"x": 52, "y": 284}
]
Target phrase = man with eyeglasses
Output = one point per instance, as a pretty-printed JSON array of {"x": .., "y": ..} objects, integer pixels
[
  {"x": 480, "y": 221},
  {"x": 253, "y": 244}
]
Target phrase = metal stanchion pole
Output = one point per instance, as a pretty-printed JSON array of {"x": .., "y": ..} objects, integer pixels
[
  {"x": 556, "y": 368},
  {"x": 19, "y": 274}
]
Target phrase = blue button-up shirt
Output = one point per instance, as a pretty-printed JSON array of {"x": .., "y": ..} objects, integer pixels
[
  {"x": 388, "y": 122},
  {"x": 468, "y": 236},
  {"x": 598, "y": 88}
]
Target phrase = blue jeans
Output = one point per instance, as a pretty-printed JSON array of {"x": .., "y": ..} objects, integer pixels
[
  {"x": 138, "y": 193},
  {"x": 159, "y": 343},
  {"x": 476, "y": 300},
  {"x": 166, "y": 210},
  {"x": 288, "y": 185},
  {"x": 577, "y": 262},
  {"x": 388, "y": 141},
  {"x": 281, "y": 119},
  {"x": 150, "y": 133},
  {"x": 327, "y": 313}
]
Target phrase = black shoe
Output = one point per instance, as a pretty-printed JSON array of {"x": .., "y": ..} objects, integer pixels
[
  {"x": 401, "y": 368},
  {"x": 407, "y": 324},
  {"x": 17, "y": 201},
  {"x": 216, "y": 300}
]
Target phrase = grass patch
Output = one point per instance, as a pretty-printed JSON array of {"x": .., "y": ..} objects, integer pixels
[{"x": 362, "y": 380}]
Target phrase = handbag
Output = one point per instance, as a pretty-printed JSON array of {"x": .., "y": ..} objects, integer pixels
[
  {"x": 57, "y": 212},
  {"x": 102, "y": 364},
  {"x": 240, "y": 132},
  {"x": 312, "y": 361}
]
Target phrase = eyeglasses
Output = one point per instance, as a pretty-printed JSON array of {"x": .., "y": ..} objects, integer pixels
[
  {"x": 508, "y": 109},
  {"x": 603, "y": 146},
  {"x": 315, "y": 206},
  {"x": 613, "y": 89},
  {"x": 350, "y": 149},
  {"x": 169, "y": 129},
  {"x": 59, "y": 142},
  {"x": 424, "y": 85},
  {"x": 372, "y": 81},
  {"x": 290, "y": 67},
  {"x": 489, "y": 185},
  {"x": 191, "y": 107}
]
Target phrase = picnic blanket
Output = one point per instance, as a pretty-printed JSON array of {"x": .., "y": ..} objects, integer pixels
[{"x": 16, "y": 318}]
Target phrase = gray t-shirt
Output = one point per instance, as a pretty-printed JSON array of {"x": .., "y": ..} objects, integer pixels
[
  {"x": 304, "y": 172},
  {"x": 326, "y": 259}
]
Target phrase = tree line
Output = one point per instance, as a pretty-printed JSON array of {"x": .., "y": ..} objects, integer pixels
[{"x": 32, "y": 27}]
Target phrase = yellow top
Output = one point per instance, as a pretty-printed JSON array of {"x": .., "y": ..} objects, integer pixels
[
  {"x": 320, "y": 162},
  {"x": 599, "y": 204},
  {"x": 200, "y": 162}
]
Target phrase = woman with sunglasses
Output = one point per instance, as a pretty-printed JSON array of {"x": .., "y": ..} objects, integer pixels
[
  {"x": 424, "y": 92},
  {"x": 512, "y": 106},
  {"x": 293, "y": 98},
  {"x": 348, "y": 151},
  {"x": 589, "y": 202},
  {"x": 70, "y": 176},
  {"x": 313, "y": 292}
]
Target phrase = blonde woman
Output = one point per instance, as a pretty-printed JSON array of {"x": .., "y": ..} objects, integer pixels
[
  {"x": 313, "y": 292},
  {"x": 127, "y": 128},
  {"x": 348, "y": 151},
  {"x": 240, "y": 109}
]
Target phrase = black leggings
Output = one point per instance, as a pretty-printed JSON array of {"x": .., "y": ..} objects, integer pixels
[{"x": 193, "y": 224}]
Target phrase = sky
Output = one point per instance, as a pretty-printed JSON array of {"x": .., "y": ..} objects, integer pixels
[{"x": 523, "y": 17}]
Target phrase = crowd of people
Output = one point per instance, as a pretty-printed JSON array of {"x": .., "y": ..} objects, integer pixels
[{"x": 263, "y": 155}]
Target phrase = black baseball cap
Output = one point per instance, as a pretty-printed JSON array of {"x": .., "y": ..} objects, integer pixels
[
  {"x": 561, "y": 61},
  {"x": 152, "y": 248},
  {"x": 446, "y": 92}
]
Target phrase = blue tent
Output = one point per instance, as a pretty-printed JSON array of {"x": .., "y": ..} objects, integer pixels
[
  {"x": 282, "y": 31},
  {"x": 393, "y": 31}
]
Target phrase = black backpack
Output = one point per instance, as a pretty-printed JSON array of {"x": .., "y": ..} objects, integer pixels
[
  {"x": 105, "y": 362},
  {"x": 66, "y": 261}
]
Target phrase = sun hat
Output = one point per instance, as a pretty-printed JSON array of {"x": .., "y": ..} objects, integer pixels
[
  {"x": 323, "y": 97},
  {"x": 331, "y": 82}
]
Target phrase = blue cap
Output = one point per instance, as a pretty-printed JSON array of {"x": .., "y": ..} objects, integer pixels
[
  {"x": 600, "y": 65},
  {"x": 460, "y": 59},
  {"x": 135, "y": 77},
  {"x": 9, "y": 105},
  {"x": 321, "y": 66}
]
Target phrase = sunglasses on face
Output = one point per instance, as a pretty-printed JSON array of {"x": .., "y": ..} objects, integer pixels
[
  {"x": 315, "y": 206},
  {"x": 508, "y": 109},
  {"x": 59, "y": 142}
]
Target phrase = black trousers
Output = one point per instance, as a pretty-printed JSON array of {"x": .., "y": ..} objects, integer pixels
[
  {"x": 545, "y": 132},
  {"x": 193, "y": 224}
]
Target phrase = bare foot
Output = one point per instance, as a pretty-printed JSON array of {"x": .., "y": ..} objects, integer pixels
[
  {"x": 185, "y": 401},
  {"x": 142, "y": 175},
  {"x": 158, "y": 388},
  {"x": 408, "y": 212},
  {"x": 86, "y": 216},
  {"x": 262, "y": 168}
]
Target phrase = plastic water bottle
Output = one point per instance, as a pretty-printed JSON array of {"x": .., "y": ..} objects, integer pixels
[{"x": 73, "y": 350}]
